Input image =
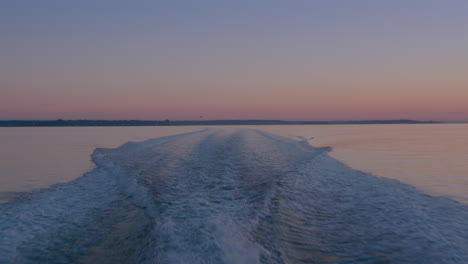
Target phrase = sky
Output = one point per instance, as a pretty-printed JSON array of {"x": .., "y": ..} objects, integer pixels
[{"x": 219, "y": 59}]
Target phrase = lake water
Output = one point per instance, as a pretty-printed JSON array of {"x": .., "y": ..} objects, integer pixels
[
  {"x": 37, "y": 157},
  {"x": 265, "y": 194},
  {"x": 432, "y": 157}
]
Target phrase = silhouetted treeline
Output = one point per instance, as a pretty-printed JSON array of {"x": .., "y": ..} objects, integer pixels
[
  {"x": 282, "y": 122},
  {"x": 58, "y": 123},
  {"x": 68, "y": 123}
]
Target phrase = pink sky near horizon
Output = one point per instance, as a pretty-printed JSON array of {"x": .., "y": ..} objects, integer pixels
[
  {"x": 282, "y": 106},
  {"x": 286, "y": 96}
]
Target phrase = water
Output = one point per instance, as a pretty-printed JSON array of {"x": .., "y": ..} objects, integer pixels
[
  {"x": 432, "y": 157},
  {"x": 230, "y": 195},
  {"x": 34, "y": 158}
]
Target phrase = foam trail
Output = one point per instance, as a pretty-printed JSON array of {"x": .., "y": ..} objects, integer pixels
[{"x": 231, "y": 196}]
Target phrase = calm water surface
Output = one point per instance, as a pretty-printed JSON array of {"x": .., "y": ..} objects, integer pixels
[
  {"x": 37, "y": 157},
  {"x": 432, "y": 157}
]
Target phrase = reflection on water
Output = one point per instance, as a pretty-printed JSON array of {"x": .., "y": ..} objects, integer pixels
[
  {"x": 32, "y": 158},
  {"x": 432, "y": 157}
]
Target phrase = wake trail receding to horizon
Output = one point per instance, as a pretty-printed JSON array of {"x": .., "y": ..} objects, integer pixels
[{"x": 230, "y": 196}]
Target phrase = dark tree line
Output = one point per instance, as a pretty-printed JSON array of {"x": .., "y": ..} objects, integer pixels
[{"x": 67, "y": 123}]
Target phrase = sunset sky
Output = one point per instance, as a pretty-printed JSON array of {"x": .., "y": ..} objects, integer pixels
[{"x": 269, "y": 59}]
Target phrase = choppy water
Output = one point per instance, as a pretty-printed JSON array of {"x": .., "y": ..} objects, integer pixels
[{"x": 230, "y": 196}]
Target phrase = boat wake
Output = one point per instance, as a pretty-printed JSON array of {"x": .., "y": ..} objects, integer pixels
[{"x": 230, "y": 196}]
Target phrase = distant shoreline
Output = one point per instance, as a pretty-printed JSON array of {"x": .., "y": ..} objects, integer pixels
[{"x": 92, "y": 123}]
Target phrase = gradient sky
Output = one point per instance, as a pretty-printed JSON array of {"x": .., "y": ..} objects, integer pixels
[{"x": 181, "y": 60}]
